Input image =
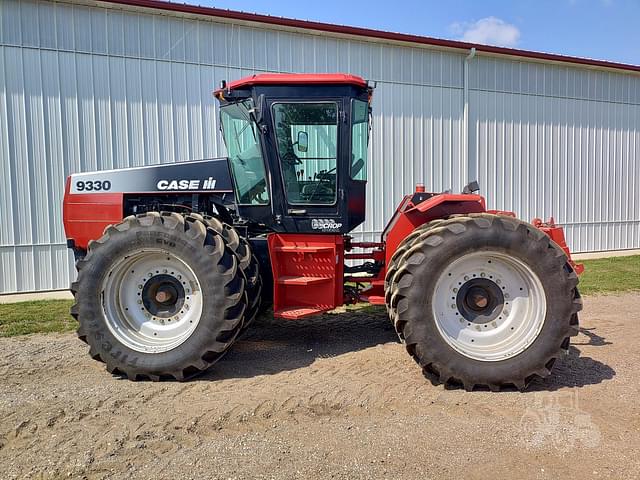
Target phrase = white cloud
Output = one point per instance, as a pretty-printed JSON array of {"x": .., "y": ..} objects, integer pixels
[{"x": 490, "y": 31}]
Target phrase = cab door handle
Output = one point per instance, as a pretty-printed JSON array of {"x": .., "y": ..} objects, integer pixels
[{"x": 297, "y": 211}]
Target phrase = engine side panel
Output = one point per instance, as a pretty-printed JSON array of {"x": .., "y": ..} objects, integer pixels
[
  {"x": 86, "y": 216},
  {"x": 94, "y": 200}
]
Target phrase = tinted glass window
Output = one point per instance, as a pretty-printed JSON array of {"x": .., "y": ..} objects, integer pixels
[
  {"x": 307, "y": 138},
  {"x": 244, "y": 153},
  {"x": 359, "y": 139}
]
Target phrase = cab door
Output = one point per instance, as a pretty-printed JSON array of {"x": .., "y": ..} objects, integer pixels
[{"x": 309, "y": 138}]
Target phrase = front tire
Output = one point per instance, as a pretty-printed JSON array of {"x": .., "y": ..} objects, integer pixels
[
  {"x": 485, "y": 301},
  {"x": 159, "y": 296},
  {"x": 247, "y": 261}
]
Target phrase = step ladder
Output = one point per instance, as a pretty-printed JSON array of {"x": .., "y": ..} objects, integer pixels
[{"x": 308, "y": 273}]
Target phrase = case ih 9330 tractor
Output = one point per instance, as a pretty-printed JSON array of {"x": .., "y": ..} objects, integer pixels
[{"x": 174, "y": 261}]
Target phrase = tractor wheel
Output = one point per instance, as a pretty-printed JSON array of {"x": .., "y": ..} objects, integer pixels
[
  {"x": 485, "y": 301},
  {"x": 247, "y": 261},
  {"x": 159, "y": 295}
]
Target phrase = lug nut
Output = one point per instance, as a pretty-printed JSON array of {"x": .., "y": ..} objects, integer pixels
[
  {"x": 455, "y": 290},
  {"x": 453, "y": 305},
  {"x": 466, "y": 277},
  {"x": 482, "y": 274}
]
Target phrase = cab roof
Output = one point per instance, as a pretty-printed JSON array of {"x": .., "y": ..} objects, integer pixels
[{"x": 296, "y": 79}]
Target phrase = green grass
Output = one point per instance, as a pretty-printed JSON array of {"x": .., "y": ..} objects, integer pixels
[
  {"x": 42, "y": 316},
  {"x": 606, "y": 275},
  {"x": 610, "y": 275}
]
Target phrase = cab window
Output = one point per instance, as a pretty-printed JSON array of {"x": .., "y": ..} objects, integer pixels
[
  {"x": 307, "y": 139},
  {"x": 245, "y": 156},
  {"x": 359, "y": 139}
]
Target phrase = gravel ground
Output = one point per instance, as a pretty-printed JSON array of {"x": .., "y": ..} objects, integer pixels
[{"x": 329, "y": 397}]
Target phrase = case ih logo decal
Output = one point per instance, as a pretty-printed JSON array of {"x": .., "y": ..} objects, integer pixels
[
  {"x": 325, "y": 224},
  {"x": 208, "y": 184}
]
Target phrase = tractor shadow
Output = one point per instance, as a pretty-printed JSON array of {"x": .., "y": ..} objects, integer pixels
[
  {"x": 273, "y": 345},
  {"x": 574, "y": 369}
]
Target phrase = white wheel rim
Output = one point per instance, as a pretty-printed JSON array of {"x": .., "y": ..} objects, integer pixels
[
  {"x": 497, "y": 333},
  {"x": 131, "y": 294}
]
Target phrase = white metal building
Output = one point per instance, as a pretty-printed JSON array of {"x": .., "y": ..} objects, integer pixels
[{"x": 97, "y": 85}]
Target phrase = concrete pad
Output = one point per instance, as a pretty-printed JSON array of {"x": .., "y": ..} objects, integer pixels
[
  {"x": 28, "y": 297},
  {"x": 611, "y": 253}
]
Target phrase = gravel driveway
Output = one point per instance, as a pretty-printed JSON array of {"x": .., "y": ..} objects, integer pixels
[{"x": 329, "y": 397}]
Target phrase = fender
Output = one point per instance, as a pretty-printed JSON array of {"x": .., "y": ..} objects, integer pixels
[{"x": 421, "y": 207}]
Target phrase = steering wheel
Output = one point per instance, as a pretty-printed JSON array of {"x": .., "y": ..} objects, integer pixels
[
  {"x": 291, "y": 157},
  {"x": 323, "y": 179}
]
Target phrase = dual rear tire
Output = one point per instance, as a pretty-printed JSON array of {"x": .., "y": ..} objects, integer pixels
[
  {"x": 485, "y": 301},
  {"x": 164, "y": 295}
]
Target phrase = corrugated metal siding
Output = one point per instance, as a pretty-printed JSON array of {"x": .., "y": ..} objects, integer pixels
[
  {"x": 552, "y": 140},
  {"x": 86, "y": 87}
]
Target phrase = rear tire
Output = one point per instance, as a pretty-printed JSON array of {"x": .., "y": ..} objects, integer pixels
[
  {"x": 173, "y": 322},
  {"x": 523, "y": 316}
]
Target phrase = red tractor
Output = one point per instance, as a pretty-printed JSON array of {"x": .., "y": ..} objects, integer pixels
[{"x": 174, "y": 261}]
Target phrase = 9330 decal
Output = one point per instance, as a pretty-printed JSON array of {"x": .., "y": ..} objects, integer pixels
[{"x": 93, "y": 185}]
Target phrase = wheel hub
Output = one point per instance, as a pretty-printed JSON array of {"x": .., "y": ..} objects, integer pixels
[
  {"x": 163, "y": 295},
  {"x": 489, "y": 305},
  {"x": 479, "y": 300}
]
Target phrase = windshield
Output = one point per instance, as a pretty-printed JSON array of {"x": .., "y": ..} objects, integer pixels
[
  {"x": 243, "y": 149},
  {"x": 307, "y": 138}
]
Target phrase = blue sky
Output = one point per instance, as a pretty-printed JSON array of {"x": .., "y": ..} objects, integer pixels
[{"x": 601, "y": 29}]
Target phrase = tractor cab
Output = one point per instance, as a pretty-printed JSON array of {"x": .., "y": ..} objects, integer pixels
[{"x": 297, "y": 148}]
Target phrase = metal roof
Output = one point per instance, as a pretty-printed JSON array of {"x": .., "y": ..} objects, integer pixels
[{"x": 370, "y": 33}]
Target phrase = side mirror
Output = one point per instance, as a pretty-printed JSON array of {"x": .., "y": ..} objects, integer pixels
[{"x": 303, "y": 141}]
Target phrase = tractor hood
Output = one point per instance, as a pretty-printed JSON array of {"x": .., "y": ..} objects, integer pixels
[
  {"x": 94, "y": 200},
  {"x": 199, "y": 176}
]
